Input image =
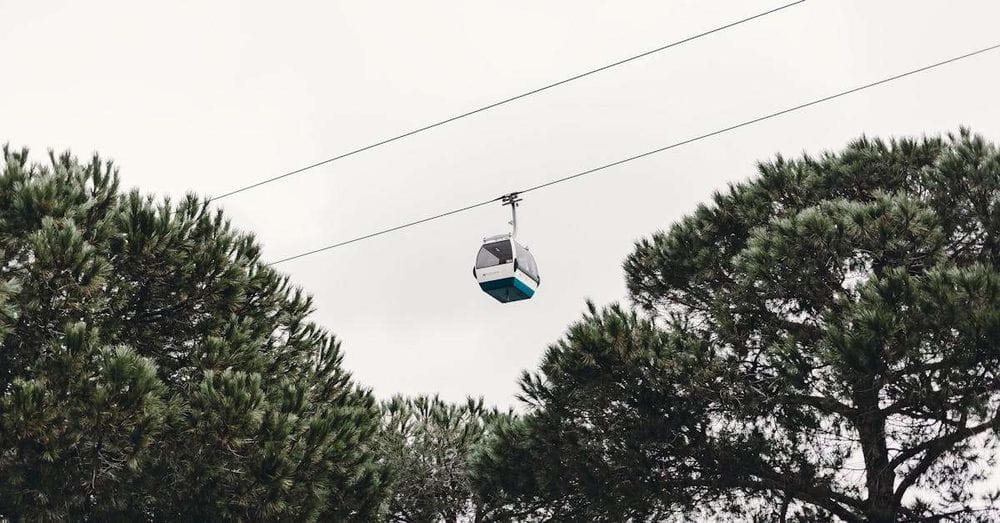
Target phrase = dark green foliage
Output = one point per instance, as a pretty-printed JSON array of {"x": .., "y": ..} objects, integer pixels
[
  {"x": 151, "y": 366},
  {"x": 427, "y": 444},
  {"x": 573, "y": 460},
  {"x": 820, "y": 342}
]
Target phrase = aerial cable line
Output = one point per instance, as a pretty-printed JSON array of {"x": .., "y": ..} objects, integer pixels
[
  {"x": 649, "y": 153},
  {"x": 501, "y": 102}
]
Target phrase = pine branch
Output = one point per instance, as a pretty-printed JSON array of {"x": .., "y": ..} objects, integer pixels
[{"x": 933, "y": 450}]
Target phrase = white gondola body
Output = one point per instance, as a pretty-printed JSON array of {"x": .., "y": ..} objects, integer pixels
[{"x": 506, "y": 270}]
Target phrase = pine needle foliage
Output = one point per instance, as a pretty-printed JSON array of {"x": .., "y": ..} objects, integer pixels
[
  {"x": 820, "y": 342},
  {"x": 427, "y": 445},
  {"x": 152, "y": 367}
]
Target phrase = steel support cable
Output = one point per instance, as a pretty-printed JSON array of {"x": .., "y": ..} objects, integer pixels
[
  {"x": 501, "y": 102},
  {"x": 654, "y": 151}
]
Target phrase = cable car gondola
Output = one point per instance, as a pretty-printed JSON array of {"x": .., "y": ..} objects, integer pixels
[{"x": 505, "y": 269}]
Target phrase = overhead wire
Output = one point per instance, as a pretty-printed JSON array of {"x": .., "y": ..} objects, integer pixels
[
  {"x": 500, "y": 102},
  {"x": 385, "y": 231},
  {"x": 649, "y": 153},
  {"x": 759, "y": 119}
]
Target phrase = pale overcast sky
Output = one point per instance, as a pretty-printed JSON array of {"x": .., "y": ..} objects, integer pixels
[{"x": 209, "y": 96}]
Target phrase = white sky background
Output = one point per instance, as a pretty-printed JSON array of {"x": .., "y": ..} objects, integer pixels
[{"x": 209, "y": 96}]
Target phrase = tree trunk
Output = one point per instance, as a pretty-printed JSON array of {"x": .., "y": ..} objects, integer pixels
[{"x": 879, "y": 478}]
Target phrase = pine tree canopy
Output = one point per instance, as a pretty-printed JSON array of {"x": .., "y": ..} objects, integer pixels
[
  {"x": 820, "y": 342},
  {"x": 427, "y": 445},
  {"x": 151, "y": 366}
]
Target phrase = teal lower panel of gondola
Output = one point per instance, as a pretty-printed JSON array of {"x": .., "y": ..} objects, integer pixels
[{"x": 507, "y": 290}]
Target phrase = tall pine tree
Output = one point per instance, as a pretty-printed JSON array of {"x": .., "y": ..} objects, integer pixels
[
  {"x": 820, "y": 342},
  {"x": 152, "y": 367},
  {"x": 427, "y": 445}
]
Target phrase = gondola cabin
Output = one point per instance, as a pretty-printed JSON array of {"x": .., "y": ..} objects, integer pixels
[{"x": 506, "y": 270}]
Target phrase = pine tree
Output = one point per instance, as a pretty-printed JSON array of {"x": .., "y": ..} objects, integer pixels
[
  {"x": 820, "y": 342},
  {"x": 427, "y": 445},
  {"x": 152, "y": 367}
]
